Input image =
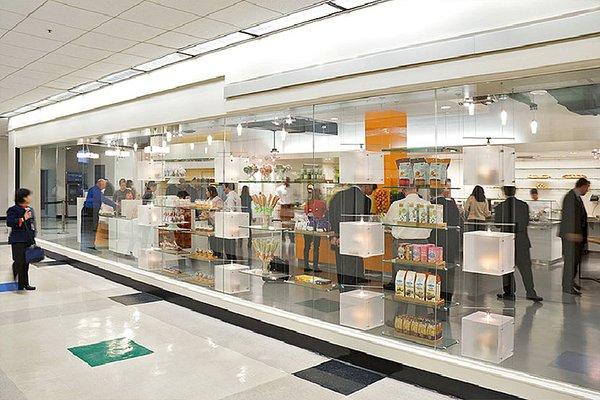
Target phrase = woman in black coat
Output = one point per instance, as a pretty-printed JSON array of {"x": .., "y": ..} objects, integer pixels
[{"x": 21, "y": 220}]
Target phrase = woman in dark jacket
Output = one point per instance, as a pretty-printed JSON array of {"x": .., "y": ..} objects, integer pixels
[{"x": 21, "y": 220}]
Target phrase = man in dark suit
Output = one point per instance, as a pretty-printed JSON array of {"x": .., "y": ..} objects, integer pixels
[
  {"x": 348, "y": 205},
  {"x": 448, "y": 239},
  {"x": 574, "y": 232},
  {"x": 516, "y": 212}
]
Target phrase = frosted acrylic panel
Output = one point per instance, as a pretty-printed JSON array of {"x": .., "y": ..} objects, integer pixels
[
  {"x": 489, "y": 165},
  {"x": 149, "y": 170},
  {"x": 150, "y": 259},
  {"x": 228, "y": 225},
  {"x": 121, "y": 235},
  {"x": 488, "y": 337},
  {"x": 149, "y": 215},
  {"x": 361, "y": 309},
  {"x": 489, "y": 253},
  {"x": 361, "y": 167},
  {"x": 228, "y": 278},
  {"x": 362, "y": 239},
  {"x": 129, "y": 208},
  {"x": 229, "y": 169}
]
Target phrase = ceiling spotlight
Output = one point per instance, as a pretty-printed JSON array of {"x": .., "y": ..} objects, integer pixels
[
  {"x": 446, "y": 107},
  {"x": 471, "y": 107},
  {"x": 283, "y": 134},
  {"x": 192, "y": 145},
  {"x": 534, "y": 126},
  {"x": 135, "y": 146},
  {"x": 209, "y": 140},
  {"x": 239, "y": 129},
  {"x": 503, "y": 117},
  {"x": 169, "y": 136}
]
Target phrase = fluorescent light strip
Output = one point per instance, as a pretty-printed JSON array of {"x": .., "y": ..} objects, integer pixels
[
  {"x": 161, "y": 62},
  {"x": 293, "y": 19},
  {"x": 120, "y": 76},
  {"x": 347, "y": 4},
  {"x": 87, "y": 87},
  {"x": 62, "y": 96},
  {"x": 24, "y": 109},
  {"x": 8, "y": 114},
  {"x": 41, "y": 103},
  {"x": 215, "y": 44}
]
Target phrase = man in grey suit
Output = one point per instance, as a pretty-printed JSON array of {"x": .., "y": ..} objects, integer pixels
[
  {"x": 516, "y": 212},
  {"x": 574, "y": 232}
]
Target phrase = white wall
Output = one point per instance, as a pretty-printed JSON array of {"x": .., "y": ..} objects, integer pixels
[{"x": 5, "y": 192}]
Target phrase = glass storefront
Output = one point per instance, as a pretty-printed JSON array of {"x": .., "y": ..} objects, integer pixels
[{"x": 383, "y": 214}]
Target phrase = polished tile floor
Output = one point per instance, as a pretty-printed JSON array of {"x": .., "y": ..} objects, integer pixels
[{"x": 192, "y": 356}]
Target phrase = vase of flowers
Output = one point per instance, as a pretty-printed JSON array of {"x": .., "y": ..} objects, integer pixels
[
  {"x": 265, "y": 249},
  {"x": 264, "y": 207}
]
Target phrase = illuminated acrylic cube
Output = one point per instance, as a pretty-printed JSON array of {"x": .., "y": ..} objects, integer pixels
[
  {"x": 362, "y": 239},
  {"x": 361, "y": 167},
  {"x": 489, "y": 253},
  {"x": 361, "y": 309},
  {"x": 228, "y": 278},
  {"x": 488, "y": 337},
  {"x": 489, "y": 165},
  {"x": 149, "y": 215},
  {"x": 229, "y": 168},
  {"x": 129, "y": 208},
  {"x": 228, "y": 225},
  {"x": 150, "y": 259}
]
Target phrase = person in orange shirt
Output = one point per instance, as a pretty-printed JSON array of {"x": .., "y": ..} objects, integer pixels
[{"x": 316, "y": 211}]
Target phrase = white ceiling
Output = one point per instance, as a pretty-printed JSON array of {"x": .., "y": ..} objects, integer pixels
[{"x": 93, "y": 38}]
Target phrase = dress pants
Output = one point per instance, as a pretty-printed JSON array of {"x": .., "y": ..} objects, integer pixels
[
  {"x": 572, "y": 254},
  {"x": 308, "y": 241},
  {"x": 20, "y": 267},
  {"x": 523, "y": 264},
  {"x": 89, "y": 226}
]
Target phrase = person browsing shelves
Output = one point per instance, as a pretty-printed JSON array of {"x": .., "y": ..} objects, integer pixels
[{"x": 90, "y": 213}]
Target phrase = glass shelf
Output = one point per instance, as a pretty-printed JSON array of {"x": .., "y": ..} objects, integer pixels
[
  {"x": 442, "y": 343},
  {"x": 272, "y": 276},
  {"x": 442, "y": 226},
  {"x": 409, "y": 300},
  {"x": 438, "y": 267},
  {"x": 314, "y": 181},
  {"x": 315, "y": 233},
  {"x": 172, "y": 252},
  {"x": 419, "y": 187},
  {"x": 265, "y": 228},
  {"x": 329, "y": 287}
]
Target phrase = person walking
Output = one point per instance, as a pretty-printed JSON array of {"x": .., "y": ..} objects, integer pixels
[
  {"x": 477, "y": 210},
  {"x": 516, "y": 212},
  {"x": 21, "y": 221},
  {"x": 90, "y": 213},
  {"x": 316, "y": 211},
  {"x": 246, "y": 200},
  {"x": 573, "y": 232}
]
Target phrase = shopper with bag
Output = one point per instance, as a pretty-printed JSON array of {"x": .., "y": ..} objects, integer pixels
[{"x": 20, "y": 218}]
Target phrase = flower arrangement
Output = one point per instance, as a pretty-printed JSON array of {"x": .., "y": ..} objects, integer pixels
[
  {"x": 265, "y": 249},
  {"x": 265, "y": 205},
  {"x": 250, "y": 170}
]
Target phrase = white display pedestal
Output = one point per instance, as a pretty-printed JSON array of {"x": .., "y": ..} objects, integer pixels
[
  {"x": 228, "y": 278},
  {"x": 361, "y": 309},
  {"x": 122, "y": 235},
  {"x": 489, "y": 253},
  {"x": 150, "y": 259},
  {"x": 488, "y": 337},
  {"x": 149, "y": 215},
  {"x": 362, "y": 239}
]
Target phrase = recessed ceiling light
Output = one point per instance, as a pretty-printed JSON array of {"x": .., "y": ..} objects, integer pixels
[
  {"x": 161, "y": 62},
  {"x": 215, "y": 44},
  {"x": 62, "y": 96},
  {"x": 119, "y": 76},
  {"x": 87, "y": 87},
  {"x": 446, "y": 107},
  {"x": 293, "y": 19},
  {"x": 351, "y": 3}
]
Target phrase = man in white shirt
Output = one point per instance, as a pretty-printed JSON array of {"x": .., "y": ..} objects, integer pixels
[{"x": 233, "y": 202}]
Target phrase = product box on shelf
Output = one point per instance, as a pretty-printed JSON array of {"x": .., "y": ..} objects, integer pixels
[
  {"x": 361, "y": 309},
  {"x": 489, "y": 165},
  {"x": 229, "y": 225},
  {"x": 488, "y": 337},
  {"x": 489, "y": 253},
  {"x": 362, "y": 239},
  {"x": 229, "y": 279},
  {"x": 361, "y": 167}
]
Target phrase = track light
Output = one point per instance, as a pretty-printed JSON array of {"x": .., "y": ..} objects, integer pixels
[
  {"x": 503, "y": 117},
  {"x": 135, "y": 146},
  {"x": 534, "y": 126},
  {"x": 209, "y": 140},
  {"x": 239, "y": 129}
]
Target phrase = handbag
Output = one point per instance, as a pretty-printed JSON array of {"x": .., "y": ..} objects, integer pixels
[{"x": 34, "y": 253}]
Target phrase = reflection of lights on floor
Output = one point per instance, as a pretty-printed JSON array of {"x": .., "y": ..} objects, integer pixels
[
  {"x": 212, "y": 343},
  {"x": 242, "y": 375}
]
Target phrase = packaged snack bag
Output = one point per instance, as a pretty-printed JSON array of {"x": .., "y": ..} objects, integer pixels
[
  {"x": 400, "y": 280},
  {"x": 422, "y": 214},
  {"x": 435, "y": 213},
  {"x": 420, "y": 172},
  {"x": 402, "y": 251},
  {"x": 435, "y": 254},
  {"x": 402, "y": 212},
  {"x": 413, "y": 214},
  {"x": 424, "y": 252},
  {"x": 416, "y": 252},
  {"x": 420, "y": 281},
  {"x": 408, "y": 252},
  {"x": 405, "y": 171},
  {"x": 409, "y": 284},
  {"x": 432, "y": 290},
  {"x": 438, "y": 171}
]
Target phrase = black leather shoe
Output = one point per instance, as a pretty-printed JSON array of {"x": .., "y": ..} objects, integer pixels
[
  {"x": 504, "y": 296},
  {"x": 535, "y": 298},
  {"x": 28, "y": 287},
  {"x": 573, "y": 291},
  {"x": 576, "y": 286}
]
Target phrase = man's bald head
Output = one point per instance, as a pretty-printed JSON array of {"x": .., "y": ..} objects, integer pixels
[{"x": 101, "y": 183}]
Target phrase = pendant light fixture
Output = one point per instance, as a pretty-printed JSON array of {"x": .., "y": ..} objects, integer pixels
[
  {"x": 192, "y": 145},
  {"x": 503, "y": 117},
  {"x": 239, "y": 129},
  {"x": 135, "y": 146},
  {"x": 533, "y": 125}
]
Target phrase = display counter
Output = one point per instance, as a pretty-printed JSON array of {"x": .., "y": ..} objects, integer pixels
[{"x": 546, "y": 246}]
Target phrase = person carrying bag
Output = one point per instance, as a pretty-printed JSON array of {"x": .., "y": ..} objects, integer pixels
[{"x": 20, "y": 218}]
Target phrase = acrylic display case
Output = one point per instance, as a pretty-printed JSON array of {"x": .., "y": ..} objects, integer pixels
[
  {"x": 149, "y": 215},
  {"x": 229, "y": 169},
  {"x": 361, "y": 167},
  {"x": 129, "y": 208},
  {"x": 489, "y": 165},
  {"x": 361, "y": 309},
  {"x": 232, "y": 225},
  {"x": 488, "y": 252},
  {"x": 362, "y": 239},
  {"x": 229, "y": 279},
  {"x": 488, "y": 337}
]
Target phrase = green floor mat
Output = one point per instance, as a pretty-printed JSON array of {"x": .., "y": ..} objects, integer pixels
[{"x": 109, "y": 351}]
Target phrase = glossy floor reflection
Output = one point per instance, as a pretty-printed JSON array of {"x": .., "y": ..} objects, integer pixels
[{"x": 194, "y": 356}]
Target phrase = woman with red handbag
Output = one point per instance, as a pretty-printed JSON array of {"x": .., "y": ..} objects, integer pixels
[{"x": 21, "y": 220}]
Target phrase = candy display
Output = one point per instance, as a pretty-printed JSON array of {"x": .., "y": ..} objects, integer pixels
[
  {"x": 418, "y": 327},
  {"x": 202, "y": 279},
  {"x": 421, "y": 253},
  {"x": 314, "y": 280},
  {"x": 265, "y": 205},
  {"x": 418, "y": 286},
  {"x": 265, "y": 171},
  {"x": 382, "y": 200},
  {"x": 281, "y": 170},
  {"x": 420, "y": 213},
  {"x": 203, "y": 255},
  {"x": 423, "y": 172}
]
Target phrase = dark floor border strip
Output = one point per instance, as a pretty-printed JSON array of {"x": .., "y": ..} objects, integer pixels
[{"x": 411, "y": 375}]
